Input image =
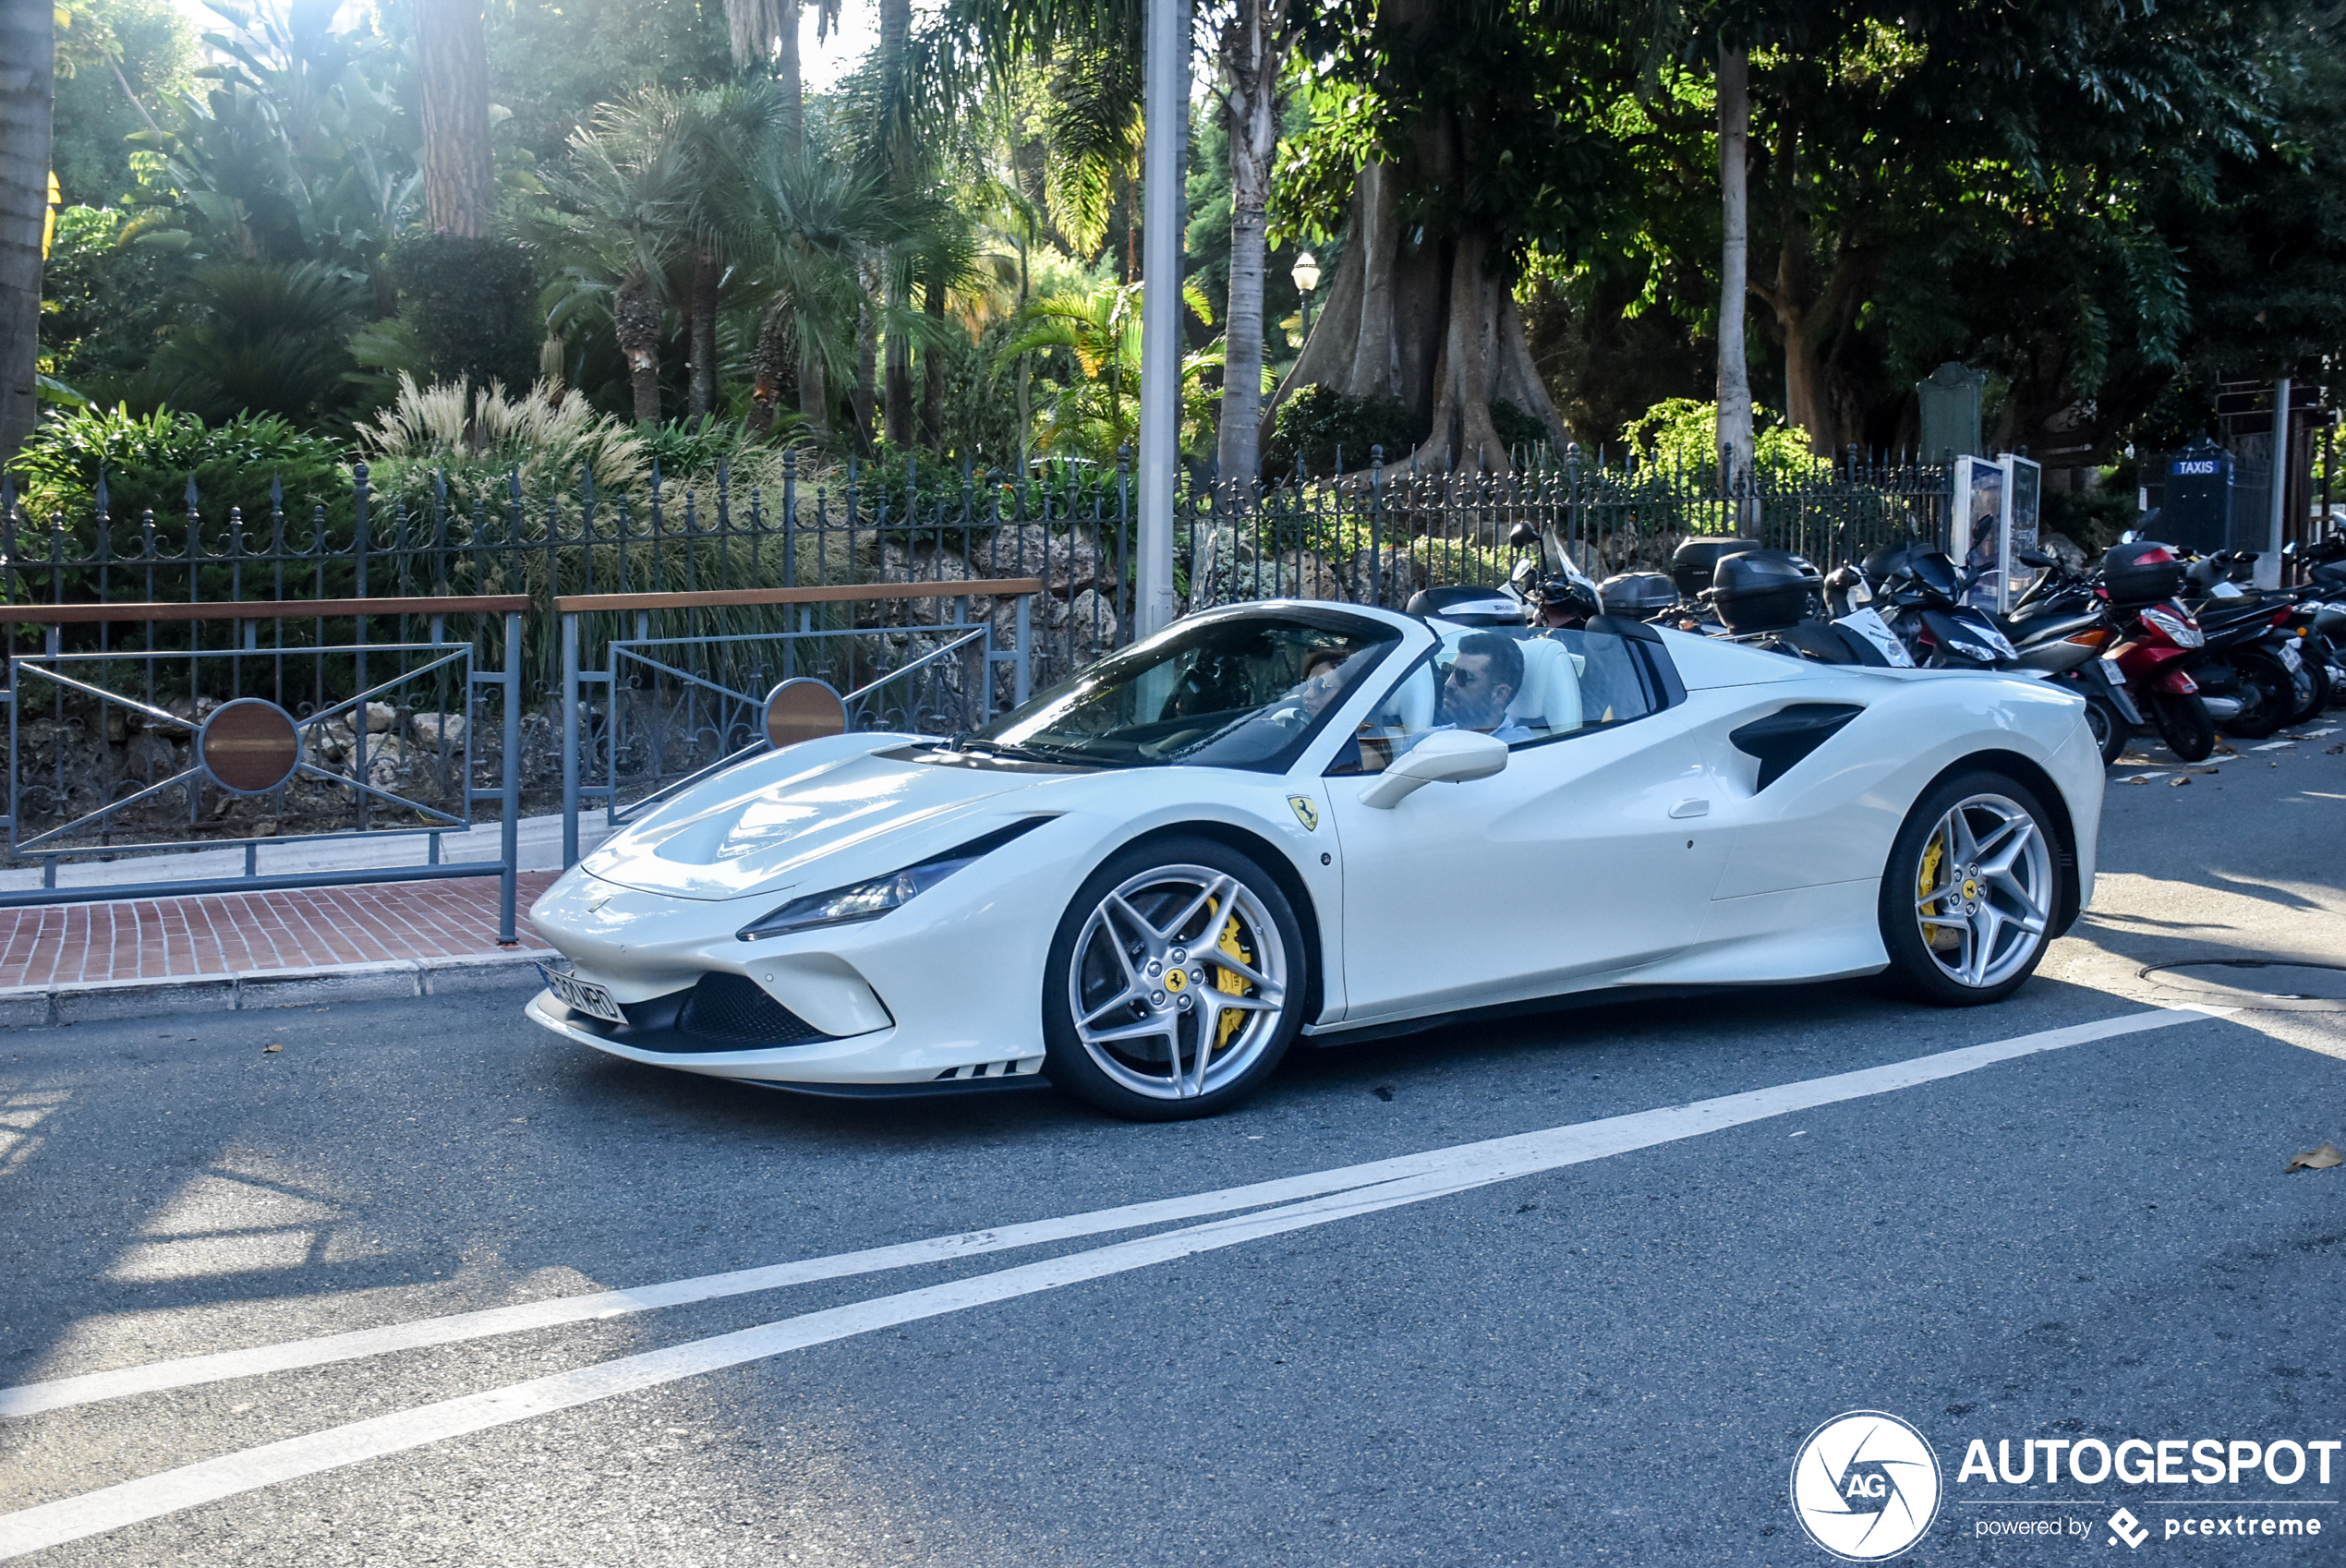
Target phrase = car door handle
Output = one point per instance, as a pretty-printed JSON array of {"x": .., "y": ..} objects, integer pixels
[{"x": 1691, "y": 808}]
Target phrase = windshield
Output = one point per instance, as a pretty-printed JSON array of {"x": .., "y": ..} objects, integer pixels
[{"x": 1246, "y": 692}]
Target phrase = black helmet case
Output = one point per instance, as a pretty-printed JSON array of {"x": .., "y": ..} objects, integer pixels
[
  {"x": 1763, "y": 590},
  {"x": 1637, "y": 595},
  {"x": 1463, "y": 605},
  {"x": 1694, "y": 559}
]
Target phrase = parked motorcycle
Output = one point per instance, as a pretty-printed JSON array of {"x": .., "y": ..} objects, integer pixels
[
  {"x": 2250, "y": 651},
  {"x": 2138, "y": 581}
]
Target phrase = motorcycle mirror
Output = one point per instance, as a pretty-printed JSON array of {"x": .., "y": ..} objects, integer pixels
[
  {"x": 2035, "y": 558},
  {"x": 1523, "y": 535}
]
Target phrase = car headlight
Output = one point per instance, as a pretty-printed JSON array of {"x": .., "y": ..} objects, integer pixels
[{"x": 869, "y": 900}]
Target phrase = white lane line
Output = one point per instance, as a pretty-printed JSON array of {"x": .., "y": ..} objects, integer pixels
[
  {"x": 1454, "y": 1170},
  {"x": 32, "y": 1399}
]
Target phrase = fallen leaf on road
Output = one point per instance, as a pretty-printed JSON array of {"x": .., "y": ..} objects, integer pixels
[
  {"x": 265, "y": 1050},
  {"x": 2333, "y": 751},
  {"x": 2178, "y": 781},
  {"x": 2137, "y": 779},
  {"x": 2320, "y": 1159}
]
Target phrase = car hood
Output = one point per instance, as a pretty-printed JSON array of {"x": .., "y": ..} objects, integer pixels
[{"x": 757, "y": 828}]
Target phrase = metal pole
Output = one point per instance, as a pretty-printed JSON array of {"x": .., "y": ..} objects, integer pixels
[
  {"x": 1167, "y": 107},
  {"x": 570, "y": 740},
  {"x": 510, "y": 815},
  {"x": 2277, "y": 509}
]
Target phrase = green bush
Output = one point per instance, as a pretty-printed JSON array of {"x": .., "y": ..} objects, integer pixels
[
  {"x": 472, "y": 307},
  {"x": 1519, "y": 429},
  {"x": 148, "y": 460},
  {"x": 1319, "y": 424},
  {"x": 1683, "y": 433}
]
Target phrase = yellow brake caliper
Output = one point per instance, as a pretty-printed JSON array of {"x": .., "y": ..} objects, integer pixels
[
  {"x": 1933, "y": 855},
  {"x": 1228, "y": 983}
]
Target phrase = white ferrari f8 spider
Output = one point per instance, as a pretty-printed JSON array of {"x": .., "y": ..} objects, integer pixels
[{"x": 1295, "y": 819}]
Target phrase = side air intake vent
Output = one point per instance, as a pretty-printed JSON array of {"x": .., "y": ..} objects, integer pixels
[{"x": 1783, "y": 738}]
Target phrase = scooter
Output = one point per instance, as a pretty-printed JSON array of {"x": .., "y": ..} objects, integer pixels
[{"x": 2250, "y": 654}]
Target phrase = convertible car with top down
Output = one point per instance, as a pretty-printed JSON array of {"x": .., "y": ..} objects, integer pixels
[{"x": 1291, "y": 820}]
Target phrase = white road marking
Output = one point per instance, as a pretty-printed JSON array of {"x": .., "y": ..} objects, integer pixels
[
  {"x": 2274, "y": 746},
  {"x": 1442, "y": 1173}
]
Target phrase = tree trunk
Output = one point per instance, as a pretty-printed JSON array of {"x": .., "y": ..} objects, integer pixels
[
  {"x": 814, "y": 391},
  {"x": 1424, "y": 319},
  {"x": 1253, "y": 49},
  {"x": 1734, "y": 370},
  {"x": 899, "y": 376},
  {"x": 635, "y": 319},
  {"x": 774, "y": 369},
  {"x": 28, "y": 75},
  {"x": 701, "y": 387},
  {"x": 460, "y": 180},
  {"x": 895, "y": 30},
  {"x": 933, "y": 373},
  {"x": 866, "y": 352},
  {"x": 789, "y": 78}
]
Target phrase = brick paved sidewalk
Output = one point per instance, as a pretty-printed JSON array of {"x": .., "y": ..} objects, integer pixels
[{"x": 241, "y": 933}]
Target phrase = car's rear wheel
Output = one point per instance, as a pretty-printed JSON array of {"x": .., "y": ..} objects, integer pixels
[
  {"x": 1971, "y": 892},
  {"x": 1175, "y": 983}
]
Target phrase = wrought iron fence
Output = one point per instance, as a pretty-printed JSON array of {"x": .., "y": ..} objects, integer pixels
[
  {"x": 1378, "y": 535},
  {"x": 149, "y": 750}
]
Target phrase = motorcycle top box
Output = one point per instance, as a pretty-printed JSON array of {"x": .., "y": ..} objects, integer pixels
[
  {"x": 1693, "y": 563},
  {"x": 1763, "y": 590},
  {"x": 2141, "y": 573},
  {"x": 1636, "y": 595}
]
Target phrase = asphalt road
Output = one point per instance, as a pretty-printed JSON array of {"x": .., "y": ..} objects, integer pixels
[{"x": 1613, "y": 1358}]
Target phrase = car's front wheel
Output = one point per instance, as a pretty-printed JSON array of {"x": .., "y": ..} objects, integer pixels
[
  {"x": 1969, "y": 896},
  {"x": 1175, "y": 984}
]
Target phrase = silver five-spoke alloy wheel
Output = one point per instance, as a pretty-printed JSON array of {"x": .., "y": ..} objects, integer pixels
[
  {"x": 1985, "y": 892},
  {"x": 1178, "y": 981}
]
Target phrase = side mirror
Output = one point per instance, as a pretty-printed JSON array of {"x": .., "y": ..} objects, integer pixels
[
  {"x": 2035, "y": 558},
  {"x": 1446, "y": 757},
  {"x": 1523, "y": 535}
]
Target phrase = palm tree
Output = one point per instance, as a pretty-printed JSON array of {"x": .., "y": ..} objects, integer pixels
[
  {"x": 28, "y": 69},
  {"x": 630, "y": 195},
  {"x": 800, "y": 230},
  {"x": 1097, "y": 413}
]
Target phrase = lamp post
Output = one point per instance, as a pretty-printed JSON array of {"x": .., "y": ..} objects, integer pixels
[
  {"x": 1165, "y": 103},
  {"x": 1306, "y": 274}
]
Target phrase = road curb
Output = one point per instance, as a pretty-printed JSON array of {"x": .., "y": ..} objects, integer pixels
[{"x": 50, "y": 1007}]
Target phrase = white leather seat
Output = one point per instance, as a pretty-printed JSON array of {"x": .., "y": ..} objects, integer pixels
[{"x": 1550, "y": 699}]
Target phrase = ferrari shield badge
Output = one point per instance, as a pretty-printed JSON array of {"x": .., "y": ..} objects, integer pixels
[{"x": 1307, "y": 812}]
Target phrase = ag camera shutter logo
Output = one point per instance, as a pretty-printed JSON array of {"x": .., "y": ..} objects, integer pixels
[{"x": 1866, "y": 1486}]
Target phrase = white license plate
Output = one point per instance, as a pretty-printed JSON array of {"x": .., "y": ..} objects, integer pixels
[
  {"x": 582, "y": 995},
  {"x": 2288, "y": 656}
]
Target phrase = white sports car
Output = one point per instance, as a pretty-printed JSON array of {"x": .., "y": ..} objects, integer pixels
[{"x": 1292, "y": 818}]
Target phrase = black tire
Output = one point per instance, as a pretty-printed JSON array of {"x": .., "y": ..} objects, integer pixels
[
  {"x": 2182, "y": 721},
  {"x": 2268, "y": 694},
  {"x": 2316, "y": 697},
  {"x": 2110, "y": 730},
  {"x": 1124, "y": 1078},
  {"x": 1920, "y": 965}
]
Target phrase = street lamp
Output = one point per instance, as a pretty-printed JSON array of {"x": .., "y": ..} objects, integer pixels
[{"x": 1307, "y": 278}]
